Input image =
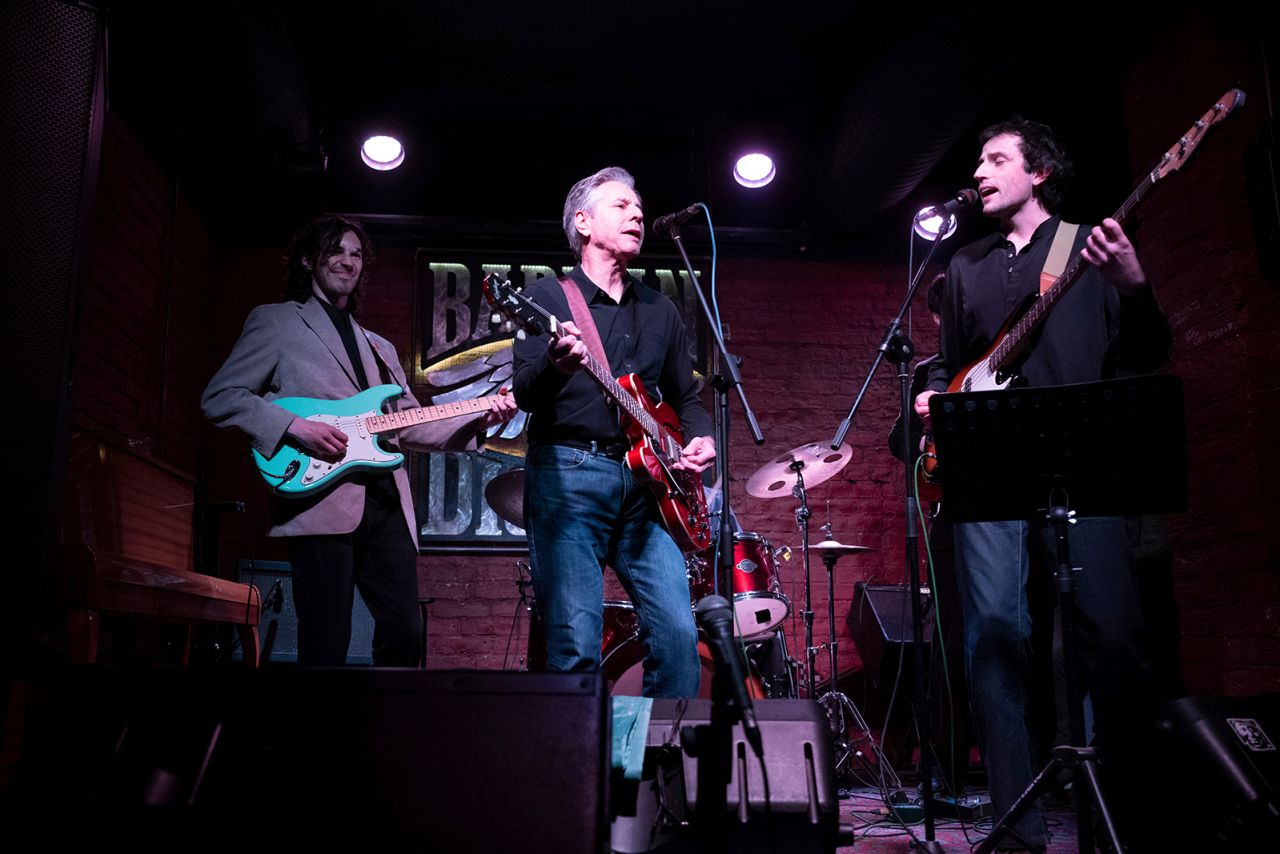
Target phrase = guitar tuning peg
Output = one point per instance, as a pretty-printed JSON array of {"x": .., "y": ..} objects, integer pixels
[{"x": 520, "y": 334}]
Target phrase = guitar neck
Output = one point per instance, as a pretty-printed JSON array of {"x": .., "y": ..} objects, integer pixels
[
  {"x": 630, "y": 405},
  {"x": 423, "y": 415},
  {"x": 1020, "y": 333}
]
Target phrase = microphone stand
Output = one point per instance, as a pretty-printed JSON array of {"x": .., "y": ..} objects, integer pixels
[
  {"x": 726, "y": 377},
  {"x": 898, "y": 348}
]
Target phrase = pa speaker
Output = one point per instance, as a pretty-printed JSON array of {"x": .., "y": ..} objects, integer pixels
[
  {"x": 456, "y": 761},
  {"x": 1219, "y": 757}
]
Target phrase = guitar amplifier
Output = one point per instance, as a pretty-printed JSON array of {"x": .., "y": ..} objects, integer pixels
[
  {"x": 879, "y": 622},
  {"x": 278, "y": 628}
]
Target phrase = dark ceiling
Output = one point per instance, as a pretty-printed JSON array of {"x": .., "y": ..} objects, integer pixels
[{"x": 872, "y": 109}]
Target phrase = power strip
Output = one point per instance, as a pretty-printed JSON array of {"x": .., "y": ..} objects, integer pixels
[{"x": 967, "y": 808}]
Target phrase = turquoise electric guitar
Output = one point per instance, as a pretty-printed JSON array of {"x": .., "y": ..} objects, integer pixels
[{"x": 293, "y": 472}]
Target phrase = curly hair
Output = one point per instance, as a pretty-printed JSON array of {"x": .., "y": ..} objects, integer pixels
[
  {"x": 1042, "y": 152},
  {"x": 315, "y": 242}
]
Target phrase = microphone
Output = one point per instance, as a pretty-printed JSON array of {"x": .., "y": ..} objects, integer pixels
[
  {"x": 662, "y": 225},
  {"x": 966, "y": 198},
  {"x": 716, "y": 620}
]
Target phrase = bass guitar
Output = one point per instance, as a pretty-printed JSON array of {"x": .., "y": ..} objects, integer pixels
[{"x": 997, "y": 367}]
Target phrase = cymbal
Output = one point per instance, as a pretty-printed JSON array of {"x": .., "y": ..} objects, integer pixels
[
  {"x": 775, "y": 479},
  {"x": 834, "y": 550},
  {"x": 505, "y": 494}
]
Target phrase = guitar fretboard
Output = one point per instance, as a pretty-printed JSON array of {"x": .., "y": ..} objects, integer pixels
[
  {"x": 410, "y": 417},
  {"x": 615, "y": 392}
]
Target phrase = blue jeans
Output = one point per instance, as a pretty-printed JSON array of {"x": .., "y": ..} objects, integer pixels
[
  {"x": 585, "y": 511},
  {"x": 993, "y": 560}
]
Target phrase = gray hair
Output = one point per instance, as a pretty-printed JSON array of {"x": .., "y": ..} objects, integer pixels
[{"x": 585, "y": 195}]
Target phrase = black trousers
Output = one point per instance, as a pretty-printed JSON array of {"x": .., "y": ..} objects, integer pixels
[{"x": 380, "y": 558}]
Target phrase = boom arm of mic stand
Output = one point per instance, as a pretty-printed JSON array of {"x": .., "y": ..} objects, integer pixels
[
  {"x": 723, "y": 572},
  {"x": 890, "y": 336},
  {"x": 734, "y": 377}
]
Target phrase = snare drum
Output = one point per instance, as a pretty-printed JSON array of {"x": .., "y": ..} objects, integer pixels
[{"x": 759, "y": 605}]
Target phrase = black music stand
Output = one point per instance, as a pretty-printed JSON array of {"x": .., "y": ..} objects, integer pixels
[{"x": 1111, "y": 448}]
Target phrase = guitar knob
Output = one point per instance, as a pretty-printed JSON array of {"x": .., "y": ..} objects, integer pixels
[{"x": 495, "y": 318}]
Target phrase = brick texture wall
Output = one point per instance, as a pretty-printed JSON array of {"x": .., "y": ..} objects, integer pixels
[
  {"x": 1199, "y": 248},
  {"x": 164, "y": 305}
]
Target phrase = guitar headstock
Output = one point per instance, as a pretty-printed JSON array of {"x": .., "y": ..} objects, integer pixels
[
  {"x": 515, "y": 306},
  {"x": 1176, "y": 156}
]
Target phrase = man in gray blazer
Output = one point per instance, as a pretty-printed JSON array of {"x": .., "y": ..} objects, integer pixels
[{"x": 362, "y": 532}]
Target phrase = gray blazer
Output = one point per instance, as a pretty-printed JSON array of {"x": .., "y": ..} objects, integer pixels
[{"x": 292, "y": 349}]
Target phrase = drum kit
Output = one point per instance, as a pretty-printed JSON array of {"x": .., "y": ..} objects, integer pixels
[{"x": 760, "y": 604}]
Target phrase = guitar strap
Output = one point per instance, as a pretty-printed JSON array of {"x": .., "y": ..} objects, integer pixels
[
  {"x": 1059, "y": 254},
  {"x": 582, "y": 319}
]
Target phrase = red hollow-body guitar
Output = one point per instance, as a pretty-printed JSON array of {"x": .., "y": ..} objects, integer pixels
[{"x": 652, "y": 428}]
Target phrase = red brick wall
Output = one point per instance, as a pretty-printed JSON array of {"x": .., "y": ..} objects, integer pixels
[
  {"x": 786, "y": 319},
  {"x": 151, "y": 338},
  {"x": 1198, "y": 247},
  {"x": 143, "y": 350}
]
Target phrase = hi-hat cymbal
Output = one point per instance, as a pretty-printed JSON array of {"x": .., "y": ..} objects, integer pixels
[
  {"x": 835, "y": 550},
  {"x": 819, "y": 463},
  {"x": 505, "y": 494}
]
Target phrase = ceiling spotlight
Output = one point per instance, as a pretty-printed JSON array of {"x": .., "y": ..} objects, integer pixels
[
  {"x": 382, "y": 153},
  {"x": 754, "y": 170},
  {"x": 928, "y": 223}
]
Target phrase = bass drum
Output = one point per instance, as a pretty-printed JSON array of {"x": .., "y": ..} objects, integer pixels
[{"x": 769, "y": 677}]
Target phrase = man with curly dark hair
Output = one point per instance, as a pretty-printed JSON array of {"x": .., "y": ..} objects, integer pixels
[
  {"x": 361, "y": 532},
  {"x": 1108, "y": 324}
]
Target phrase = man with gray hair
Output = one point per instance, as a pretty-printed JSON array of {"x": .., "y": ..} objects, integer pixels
[{"x": 583, "y": 508}]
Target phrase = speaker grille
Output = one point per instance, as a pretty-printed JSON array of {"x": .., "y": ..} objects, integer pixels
[{"x": 51, "y": 97}]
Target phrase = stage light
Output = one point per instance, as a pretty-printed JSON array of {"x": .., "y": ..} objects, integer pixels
[
  {"x": 927, "y": 225},
  {"x": 382, "y": 153},
  {"x": 754, "y": 170}
]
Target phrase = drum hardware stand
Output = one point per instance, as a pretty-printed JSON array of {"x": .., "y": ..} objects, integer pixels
[
  {"x": 527, "y": 603},
  {"x": 803, "y": 515},
  {"x": 835, "y": 702}
]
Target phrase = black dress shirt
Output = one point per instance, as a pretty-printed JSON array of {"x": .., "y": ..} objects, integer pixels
[
  {"x": 1093, "y": 333},
  {"x": 643, "y": 334}
]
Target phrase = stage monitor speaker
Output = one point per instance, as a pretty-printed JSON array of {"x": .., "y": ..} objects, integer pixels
[
  {"x": 1217, "y": 760},
  {"x": 879, "y": 622},
  {"x": 278, "y": 629},
  {"x": 456, "y": 761},
  {"x": 787, "y": 803}
]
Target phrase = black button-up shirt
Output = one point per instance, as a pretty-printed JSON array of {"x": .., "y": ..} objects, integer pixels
[
  {"x": 1093, "y": 333},
  {"x": 643, "y": 334}
]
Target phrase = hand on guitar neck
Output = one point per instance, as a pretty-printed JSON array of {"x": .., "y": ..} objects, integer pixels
[
  {"x": 1108, "y": 248},
  {"x": 568, "y": 352}
]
